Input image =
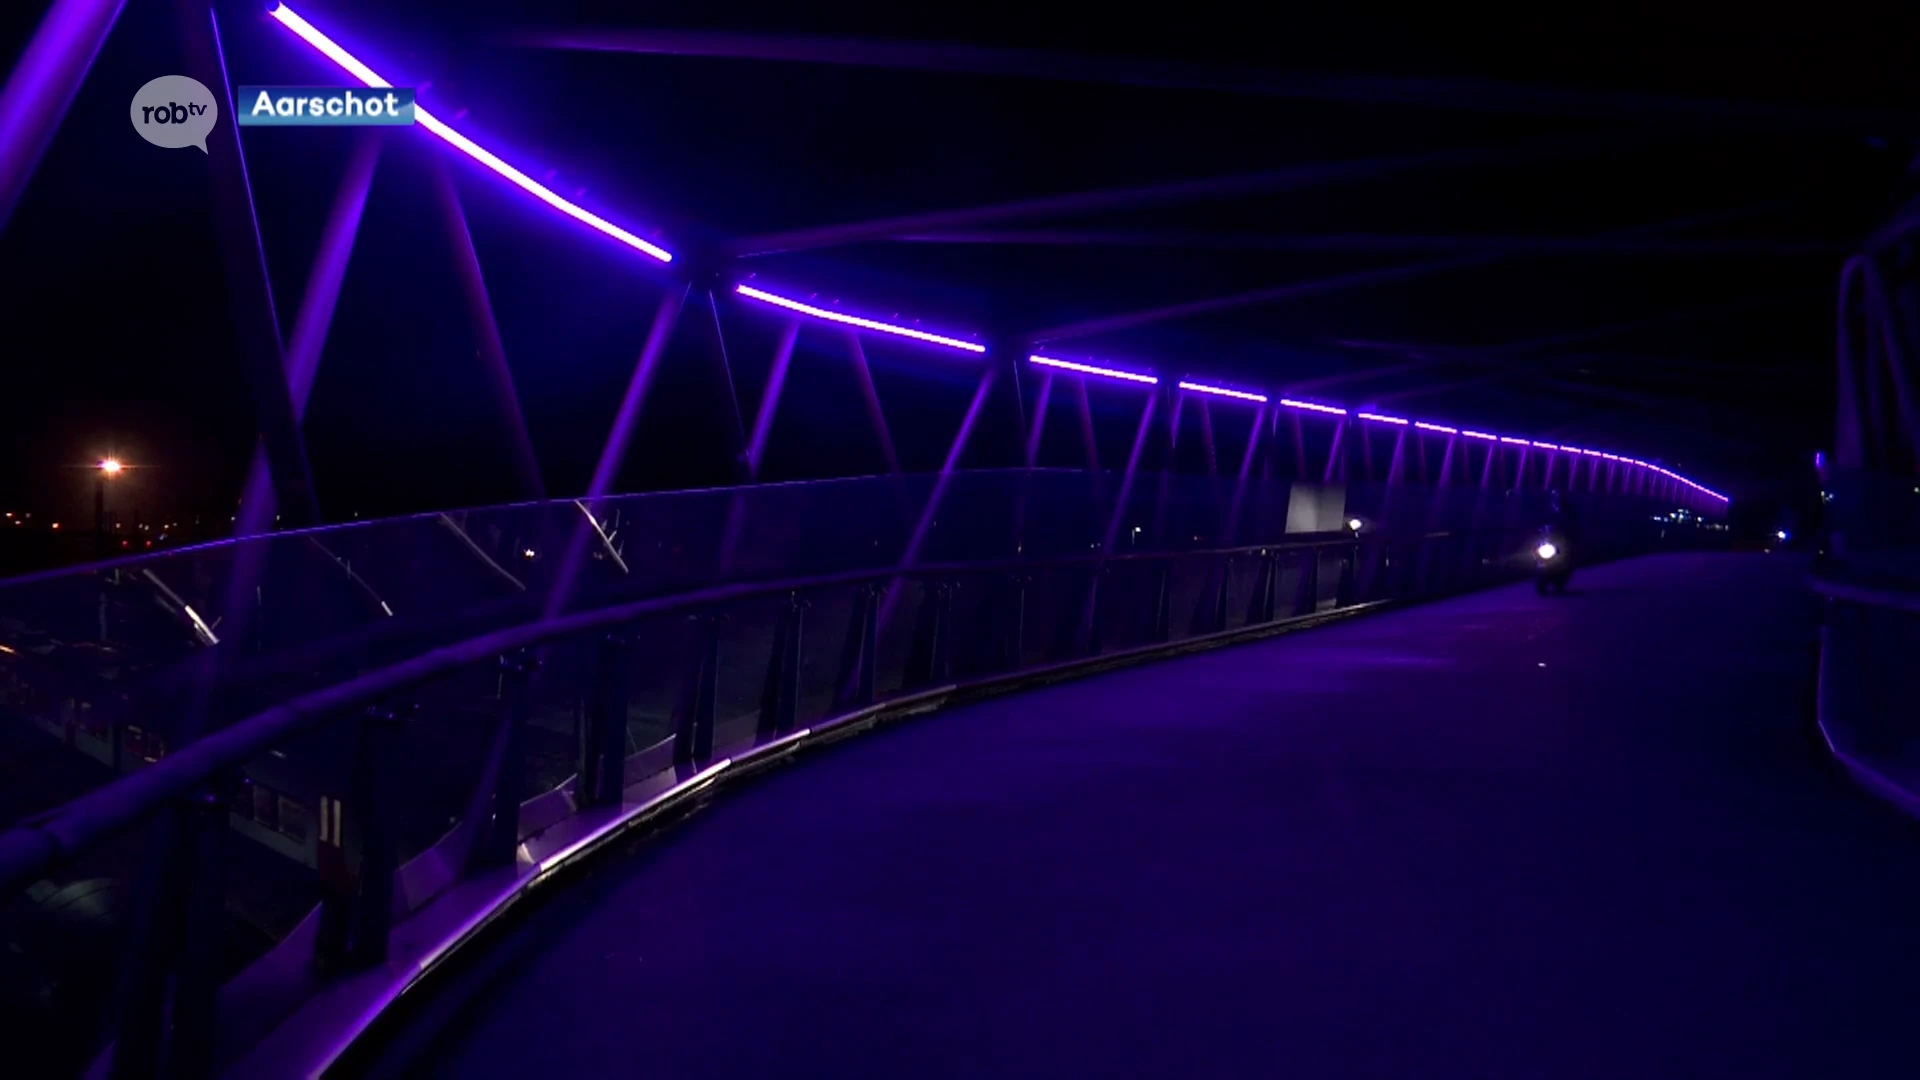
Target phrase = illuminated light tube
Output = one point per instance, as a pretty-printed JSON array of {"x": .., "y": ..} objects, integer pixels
[
  {"x": 354, "y": 66},
  {"x": 1090, "y": 369},
  {"x": 764, "y": 297},
  {"x": 1311, "y": 407},
  {"x": 422, "y": 118},
  {"x": 1221, "y": 391}
]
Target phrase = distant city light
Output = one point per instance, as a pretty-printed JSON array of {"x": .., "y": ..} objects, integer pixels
[{"x": 111, "y": 466}]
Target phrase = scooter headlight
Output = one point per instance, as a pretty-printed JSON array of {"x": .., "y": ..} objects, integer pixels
[{"x": 1546, "y": 551}]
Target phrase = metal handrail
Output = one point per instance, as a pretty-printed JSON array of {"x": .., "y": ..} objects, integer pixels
[{"x": 29, "y": 850}]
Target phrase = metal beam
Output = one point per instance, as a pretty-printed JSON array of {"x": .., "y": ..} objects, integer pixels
[
  {"x": 1394, "y": 243},
  {"x": 1291, "y": 177},
  {"x": 255, "y": 321},
  {"x": 492, "y": 351},
  {"x": 1431, "y": 92},
  {"x": 314, "y": 318},
  {"x": 42, "y": 85},
  {"x": 1375, "y": 276},
  {"x": 1214, "y": 305},
  {"x": 660, "y": 331},
  {"x": 1506, "y": 359}
]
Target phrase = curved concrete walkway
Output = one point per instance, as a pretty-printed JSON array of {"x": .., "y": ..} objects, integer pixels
[{"x": 1497, "y": 836}]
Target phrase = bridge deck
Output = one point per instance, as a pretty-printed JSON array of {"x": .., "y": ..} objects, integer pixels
[{"x": 1494, "y": 836}]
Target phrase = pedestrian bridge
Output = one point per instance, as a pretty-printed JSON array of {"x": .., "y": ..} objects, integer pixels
[{"x": 1333, "y": 795}]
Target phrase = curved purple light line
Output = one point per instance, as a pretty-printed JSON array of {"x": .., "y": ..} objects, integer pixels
[
  {"x": 1221, "y": 391},
  {"x": 422, "y": 118},
  {"x": 875, "y": 325},
  {"x": 306, "y": 31},
  {"x": 1091, "y": 369}
]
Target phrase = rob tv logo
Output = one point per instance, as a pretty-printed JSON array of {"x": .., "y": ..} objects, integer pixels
[{"x": 174, "y": 111}]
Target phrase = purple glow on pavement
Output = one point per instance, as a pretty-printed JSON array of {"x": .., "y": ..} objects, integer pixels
[
  {"x": 1091, "y": 369},
  {"x": 1441, "y": 428},
  {"x": 1311, "y": 407},
  {"x": 1380, "y": 419},
  {"x": 876, "y": 326},
  {"x": 422, "y": 118},
  {"x": 1479, "y": 435},
  {"x": 1221, "y": 391}
]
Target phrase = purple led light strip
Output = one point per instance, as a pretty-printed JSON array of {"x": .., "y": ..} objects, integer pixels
[
  {"x": 1221, "y": 391},
  {"x": 875, "y": 325},
  {"x": 1309, "y": 406},
  {"x": 1091, "y": 369},
  {"x": 354, "y": 66},
  {"x": 332, "y": 51}
]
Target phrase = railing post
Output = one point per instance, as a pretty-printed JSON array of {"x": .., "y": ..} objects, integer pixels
[
  {"x": 1212, "y": 614},
  {"x": 1432, "y": 565},
  {"x": 1343, "y": 592},
  {"x": 1260, "y": 606},
  {"x": 853, "y": 685},
  {"x": 699, "y": 696},
  {"x": 1160, "y": 630},
  {"x": 603, "y": 732},
  {"x": 931, "y": 660},
  {"x": 1306, "y": 591},
  {"x": 168, "y": 994},
  {"x": 495, "y": 810},
  {"x": 1006, "y": 645},
  {"x": 780, "y": 697},
  {"x": 355, "y": 917},
  {"x": 1382, "y": 578},
  {"x": 203, "y": 938},
  {"x": 1076, "y": 636}
]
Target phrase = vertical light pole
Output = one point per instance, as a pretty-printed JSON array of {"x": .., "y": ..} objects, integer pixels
[{"x": 107, "y": 470}]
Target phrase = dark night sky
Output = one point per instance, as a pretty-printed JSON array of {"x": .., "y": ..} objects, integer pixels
[{"x": 114, "y": 298}]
